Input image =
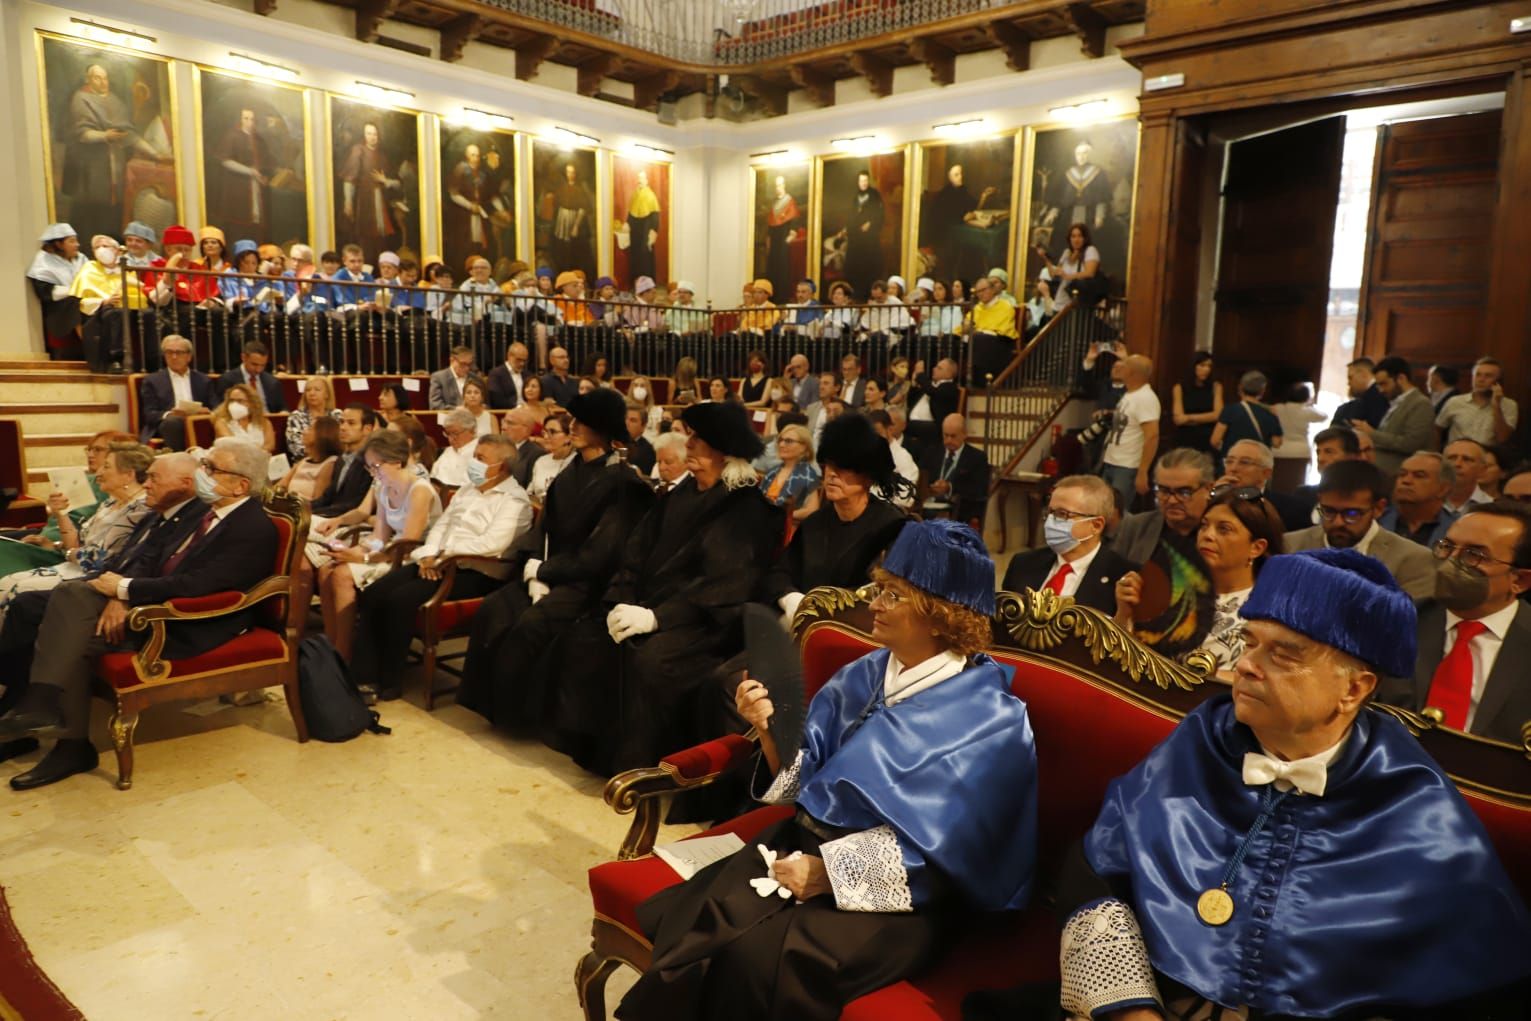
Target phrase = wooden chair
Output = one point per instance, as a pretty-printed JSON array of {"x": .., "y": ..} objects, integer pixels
[
  {"x": 440, "y": 618},
  {"x": 262, "y": 657}
]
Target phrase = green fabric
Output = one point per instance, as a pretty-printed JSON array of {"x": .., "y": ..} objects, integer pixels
[
  {"x": 79, "y": 515},
  {"x": 18, "y": 556}
]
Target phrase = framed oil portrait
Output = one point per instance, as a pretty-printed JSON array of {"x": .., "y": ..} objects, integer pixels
[
  {"x": 253, "y": 136},
  {"x": 108, "y": 136},
  {"x": 640, "y": 209},
  {"x": 780, "y": 216},
  {"x": 861, "y": 218},
  {"x": 564, "y": 189},
  {"x": 478, "y": 196},
  {"x": 965, "y": 207},
  {"x": 1082, "y": 174},
  {"x": 376, "y": 189}
]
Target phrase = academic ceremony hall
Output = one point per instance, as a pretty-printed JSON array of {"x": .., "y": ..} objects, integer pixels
[{"x": 765, "y": 510}]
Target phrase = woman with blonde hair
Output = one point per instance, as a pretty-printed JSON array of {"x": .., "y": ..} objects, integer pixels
[
  {"x": 797, "y": 476},
  {"x": 241, "y": 416},
  {"x": 317, "y": 401},
  {"x": 686, "y": 391},
  {"x": 640, "y": 395}
]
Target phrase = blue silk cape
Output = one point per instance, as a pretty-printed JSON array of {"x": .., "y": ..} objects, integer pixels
[
  {"x": 952, "y": 770},
  {"x": 1384, "y": 892}
]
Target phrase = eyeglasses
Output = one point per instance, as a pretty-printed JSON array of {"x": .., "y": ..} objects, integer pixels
[
  {"x": 97, "y": 448},
  {"x": 1253, "y": 494},
  {"x": 1182, "y": 493},
  {"x": 1349, "y": 515},
  {"x": 208, "y": 465},
  {"x": 1467, "y": 556},
  {"x": 883, "y": 594},
  {"x": 1059, "y": 514}
]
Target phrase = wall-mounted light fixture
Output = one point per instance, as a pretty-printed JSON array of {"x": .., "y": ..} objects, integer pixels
[
  {"x": 771, "y": 157},
  {"x": 568, "y": 136},
  {"x": 483, "y": 120},
  {"x": 382, "y": 93},
  {"x": 652, "y": 152},
  {"x": 1080, "y": 113},
  {"x": 108, "y": 34},
  {"x": 957, "y": 129},
  {"x": 261, "y": 68},
  {"x": 856, "y": 144}
]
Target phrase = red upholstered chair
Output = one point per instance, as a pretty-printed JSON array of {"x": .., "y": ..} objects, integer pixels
[
  {"x": 1098, "y": 701},
  {"x": 440, "y": 618},
  {"x": 264, "y": 656}
]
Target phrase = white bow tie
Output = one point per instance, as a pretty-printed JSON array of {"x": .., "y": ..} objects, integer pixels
[{"x": 1307, "y": 775}]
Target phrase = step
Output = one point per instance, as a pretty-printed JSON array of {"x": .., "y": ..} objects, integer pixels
[
  {"x": 55, "y": 456},
  {"x": 10, "y": 363},
  {"x": 42, "y": 419},
  {"x": 47, "y": 373},
  {"x": 58, "y": 408},
  {"x": 58, "y": 389}
]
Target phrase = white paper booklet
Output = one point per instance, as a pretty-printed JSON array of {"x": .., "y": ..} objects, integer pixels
[
  {"x": 688, "y": 857},
  {"x": 74, "y": 484}
]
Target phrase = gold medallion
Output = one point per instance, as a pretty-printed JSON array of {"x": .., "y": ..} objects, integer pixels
[{"x": 1214, "y": 906}]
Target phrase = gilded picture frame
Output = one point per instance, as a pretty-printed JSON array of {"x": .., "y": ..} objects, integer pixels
[
  {"x": 779, "y": 230},
  {"x": 495, "y": 183},
  {"x": 834, "y": 242},
  {"x": 394, "y": 219},
  {"x": 628, "y": 261},
  {"x": 562, "y": 208},
  {"x": 957, "y": 248}
]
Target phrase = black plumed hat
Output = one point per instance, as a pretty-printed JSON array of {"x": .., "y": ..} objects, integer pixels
[
  {"x": 602, "y": 410},
  {"x": 851, "y": 443},
  {"x": 725, "y": 427}
]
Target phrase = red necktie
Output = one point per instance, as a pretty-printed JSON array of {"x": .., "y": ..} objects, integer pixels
[
  {"x": 1055, "y": 583},
  {"x": 179, "y": 555},
  {"x": 1451, "y": 689}
]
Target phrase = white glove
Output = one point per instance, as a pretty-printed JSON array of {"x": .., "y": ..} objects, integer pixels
[
  {"x": 788, "y": 604},
  {"x": 529, "y": 572},
  {"x": 536, "y": 590},
  {"x": 626, "y": 621}
]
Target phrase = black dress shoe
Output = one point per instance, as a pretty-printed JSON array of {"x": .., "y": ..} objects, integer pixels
[
  {"x": 26, "y": 721},
  {"x": 389, "y": 694},
  {"x": 21, "y": 746},
  {"x": 68, "y": 757}
]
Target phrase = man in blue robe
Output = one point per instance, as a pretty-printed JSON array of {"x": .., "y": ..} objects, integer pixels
[{"x": 1288, "y": 852}]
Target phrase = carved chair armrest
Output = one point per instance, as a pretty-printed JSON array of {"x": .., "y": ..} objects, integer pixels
[
  {"x": 154, "y": 617},
  {"x": 639, "y": 791},
  {"x": 398, "y": 550}
]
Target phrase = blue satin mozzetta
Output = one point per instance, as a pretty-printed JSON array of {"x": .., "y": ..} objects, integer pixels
[
  {"x": 952, "y": 769},
  {"x": 1385, "y": 892}
]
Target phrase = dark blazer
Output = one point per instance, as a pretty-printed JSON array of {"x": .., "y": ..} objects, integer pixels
[
  {"x": 1506, "y": 703},
  {"x": 153, "y": 538},
  {"x": 1097, "y": 589},
  {"x": 270, "y": 389},
  {"x": 640, "y": 454},
  {"x": 560, "y": 391},
  {"x": 156, "y": 397},
  {"x": 346, "y": 491},
  {"x": 1370, "y": 406},
  {"x": 970, "y": 480},
  {"x": 858, "y": 392},
  {"x": 944, "y": 396},
  {"x": 526, "y": 456},
  {"x": 503, "y": 393}
]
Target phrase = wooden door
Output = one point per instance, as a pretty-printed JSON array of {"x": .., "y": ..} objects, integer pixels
[
  {"x": 1428, "y": 257},
  {"x": 1280, "y": 191}
]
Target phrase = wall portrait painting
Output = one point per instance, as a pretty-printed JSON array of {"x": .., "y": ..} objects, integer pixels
[
  {"x": 1083, "y": 174},
  {"x": 967, "y": 208},
  {"x": 376, "y": 190},
  {"x": 779, "y": 222},
  {"x": 563, "y": 191},
  {"x": 861, "y": 217},
  {"x": 640, "y": 207},
  {"x": 109, "y": 136},
  {"x": 254, "y": 143},
  {"x": 478, "y": 196}
]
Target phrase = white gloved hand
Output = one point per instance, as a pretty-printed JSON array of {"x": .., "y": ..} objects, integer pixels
[
  {"x": 529, "y": 572},
  {"x": 627, "y": 620},
  {"x": 788, "y": 604},
  {"x": 536, "y": 590}
]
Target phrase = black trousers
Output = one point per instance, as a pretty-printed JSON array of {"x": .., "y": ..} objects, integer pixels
[
  {"x": 385, "y": 620},
  {"x": 504, "y": 677}
]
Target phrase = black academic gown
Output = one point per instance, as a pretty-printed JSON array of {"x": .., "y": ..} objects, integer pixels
[{"x": 828, "y": 551}]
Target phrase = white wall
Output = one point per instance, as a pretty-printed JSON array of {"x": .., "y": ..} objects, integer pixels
[{"x": 711, "y": 166}]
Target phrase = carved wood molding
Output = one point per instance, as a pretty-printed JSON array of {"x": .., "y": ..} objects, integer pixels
[
  {"x": 530, "y": 56},
  {"x": 596, "y": 70},
  {"x": 1089, "y": 26},
  {"x": 877, "y": 72},
  {"x": 1015, "y": 44},
  {"x": 939, "y": 59},
  {"x": 370, "y": 15},
  {"x": 264, "y": 7},
  {"x": 458, "y": 33},
  {"x": 819, "y": 86},
  {"x": 647, "y": 91},
  {"x": 772, "y": 97}
]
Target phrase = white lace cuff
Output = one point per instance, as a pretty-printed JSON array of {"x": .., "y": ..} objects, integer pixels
[
  {"x": 783, "y": 789},
  {"x": 866, "y": 871},
  {"x": 1104, "y": 962}
]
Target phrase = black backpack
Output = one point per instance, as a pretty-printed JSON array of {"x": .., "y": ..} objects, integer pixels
[{"x": 332, "y": 707}]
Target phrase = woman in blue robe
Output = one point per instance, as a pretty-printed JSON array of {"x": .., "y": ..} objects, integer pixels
[{"x": 915, "y": 789}]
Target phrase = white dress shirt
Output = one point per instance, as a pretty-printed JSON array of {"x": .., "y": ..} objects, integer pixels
[
  {"x": 451, "y": 467},
  {"x": 1476, "y": 496},
  {"x": 180, "y": 385},
  {"x": 900, "y": 682},
  {"x": 1080, "y": 568},
  {"x": 479, "y": 523},
  {"x": 1485, "y": 649}
]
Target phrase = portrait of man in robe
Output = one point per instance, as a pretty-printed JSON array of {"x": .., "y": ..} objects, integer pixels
[
  {"x": 109, "y": 137},
  {"x": 862, "y": 219},
  {"x": 967, "y": 204},
  {"x": 563, "y": 185},
  {"x": 640, "y": 203},
  {"x": 376, "y": 156},
  {"x": 478, "y": 208},
  {"x": 254, "y": 158},
  {"x": 1083, "y": 175},
  {"x": 781, "y": 218}
]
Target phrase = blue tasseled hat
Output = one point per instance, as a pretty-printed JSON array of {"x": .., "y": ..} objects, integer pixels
[
  {"x": 948, "y": 560},
  {"x": 1343, "y": 598}
]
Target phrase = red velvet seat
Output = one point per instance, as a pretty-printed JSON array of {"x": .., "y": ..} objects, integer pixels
[
  {"x": 256, "y": 647},
  {"x": 440, "y": 618}
]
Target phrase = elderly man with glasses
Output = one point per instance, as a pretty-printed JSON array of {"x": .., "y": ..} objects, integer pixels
[
  {"x": 232, "y": 547},
  {"x": 166, "y": 397},
  {"x": 1074, "y": 563},
  {"x": 1251, "y": 463}
]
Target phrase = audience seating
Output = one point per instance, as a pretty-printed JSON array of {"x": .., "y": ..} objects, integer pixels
[
  {"x": 1098, "y": 702},
  {"x": 264, "y": 656},
  {"x": 440, "y": 618},
  {"x": 24, "y": 511}
]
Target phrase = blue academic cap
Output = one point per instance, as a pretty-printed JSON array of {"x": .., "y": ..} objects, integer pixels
[{"x": 947, "y": 559}]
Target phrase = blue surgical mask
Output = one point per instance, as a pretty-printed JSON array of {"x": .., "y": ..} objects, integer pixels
[
  {"x": 207, "y": 490},
  {"x": 1059, "y": 535},
  {"x": 478, "y": 471}
]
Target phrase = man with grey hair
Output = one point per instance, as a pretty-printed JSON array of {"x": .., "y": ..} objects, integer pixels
[
  {"x": 1251, "y": 463},
  {"x": 1418, "y": 511},
  {"x": 670, "y": 460},
  {"x": 517, "y": 426},
  {"x": 165, "y": 397},
  {"x": 1247, "y": 418},
  {"x": 461, "y": 430},
  {"x": 232, "y": 547},
  {"x": 1073, "y": 563}
]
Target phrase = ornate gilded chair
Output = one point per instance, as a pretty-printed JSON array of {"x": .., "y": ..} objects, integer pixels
[{"x": 264, "y": 656}]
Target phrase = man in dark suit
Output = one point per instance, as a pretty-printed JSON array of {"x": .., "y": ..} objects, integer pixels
[
  {"x": 518, "y": 428},
  {"x": 1367, "y": 403},
  {"x": 955, "y": 475},
  {"x": 557, "y": 385},
  {"x": 1073, "y": 563},
  {"x": 931, "y": 399},
  {"x": 446, "y": 384},
  {"x": 160, "y": 392},
  {"x": 640, "y": 452},
  {"x": 252, "y": 374},
  {"x": 349, "y": 482},
  {"x": 853, "y": 388},
  {"x": 1475, "y": 638},
  {"x": 1251, "y": 463},
  {"x": 506, "y": 381},
  {"x": 232, "y": 547}
]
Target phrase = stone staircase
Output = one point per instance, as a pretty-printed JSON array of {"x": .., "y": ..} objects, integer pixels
[{"x": 59, "y": 405}]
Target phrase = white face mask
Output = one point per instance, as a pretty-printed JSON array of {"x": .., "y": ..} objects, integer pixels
[
  {"x": 640, "y": 393},
  {"x": 106, "y": 256},
  {"x": 776, "y": 394},
  {"x": 238, "y": 412}
]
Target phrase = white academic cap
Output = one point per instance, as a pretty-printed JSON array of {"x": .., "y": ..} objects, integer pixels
[
  {"x": 898, "y": 280},
  {"x": 925, "y": 284},
  {"x": 685, "y": 285},
  {"x": 56, "y": 232}
]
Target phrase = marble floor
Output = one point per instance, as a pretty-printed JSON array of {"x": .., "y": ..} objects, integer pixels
[{"x": 436, "y": 873}]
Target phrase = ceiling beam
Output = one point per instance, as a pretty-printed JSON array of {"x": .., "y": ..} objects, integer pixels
[
  {"x": 877, "y": 72},
  {"x": 648, "y": 90},
  {"x": 531, "y": 54},
  {"x": 940, "y": 60},
  {"x": 458, "y": 33},
  {"x": 596, "y": 70},
  {"x": 1089, "y": 26},
  {"x": 370, "y": 15},
  {"x": 1015, "y": 44},
  {"x": 819, "y": 86}
]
